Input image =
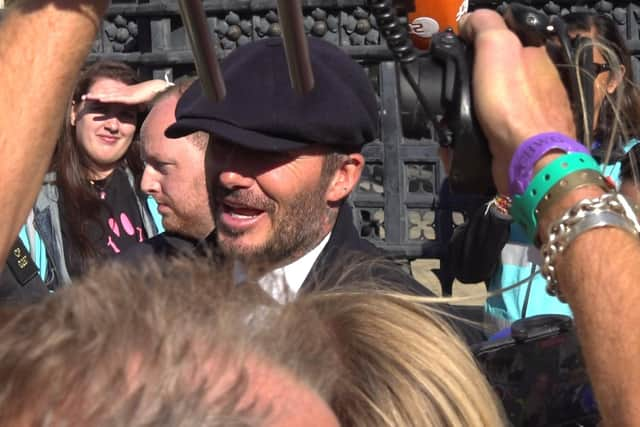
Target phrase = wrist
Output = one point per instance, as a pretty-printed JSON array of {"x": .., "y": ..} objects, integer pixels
[
  {"x": 609, "y": 210},
  {"x": 531, "y": 151},
  {"x": 556, "y": 210},
  {"x": 546, "y": 159},
  {"x": 552, "y": 182}
]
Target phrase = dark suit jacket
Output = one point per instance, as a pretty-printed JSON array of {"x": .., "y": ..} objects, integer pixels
[
  {"x": 346, "y": 261},
  {"x": 164, "y": 245}
]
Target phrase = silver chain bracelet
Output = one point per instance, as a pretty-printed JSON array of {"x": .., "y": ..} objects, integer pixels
[{"x": 609, "y": 210}]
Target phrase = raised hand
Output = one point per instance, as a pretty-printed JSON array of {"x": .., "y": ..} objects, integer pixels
[
  {"x": 517, "y": 90},
  {"x": 131, "y": 95}
]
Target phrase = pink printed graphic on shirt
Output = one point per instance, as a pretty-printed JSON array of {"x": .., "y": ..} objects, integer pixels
[
  {"x": 128, "y": 228},
  {"x": 112, "y": 245},
  {"x": 126, "y": 224},
  {"x": 113, "y": 225}
]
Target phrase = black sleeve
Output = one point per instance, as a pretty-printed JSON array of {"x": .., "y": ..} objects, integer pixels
[{"x": 475, "y": 246}]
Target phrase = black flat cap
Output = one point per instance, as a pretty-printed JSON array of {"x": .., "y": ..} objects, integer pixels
[{"x": 262, "y": 111}]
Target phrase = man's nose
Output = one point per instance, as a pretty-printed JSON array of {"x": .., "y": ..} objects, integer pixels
[
  {"x": 234, "y": 168},
  {"x": 149, "y": 184}
]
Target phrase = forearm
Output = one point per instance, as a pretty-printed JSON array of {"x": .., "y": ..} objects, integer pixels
[
  {"x": 44, "y": 45},
  {"x": 597, "y": 274},
  {"x": 603, "y": 294},
  {"x": 598, "y": 271}
]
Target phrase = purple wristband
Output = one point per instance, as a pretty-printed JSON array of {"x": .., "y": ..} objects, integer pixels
[{"x": 532, "y": 150}]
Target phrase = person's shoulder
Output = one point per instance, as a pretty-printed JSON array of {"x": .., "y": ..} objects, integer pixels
[
  {"x": 365, "y": 265},
  {"x": 19, "y": 286},
  {"x": 162, "y": 245}
]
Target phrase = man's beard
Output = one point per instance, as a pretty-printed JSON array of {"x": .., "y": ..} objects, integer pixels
[
  {"x": 178, "y": 225},
  {"x": 193, "y": 227},
  {"x": 296, "y": 229}
]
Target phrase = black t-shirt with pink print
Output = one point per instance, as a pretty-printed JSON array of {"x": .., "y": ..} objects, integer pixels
[{"x": 120, "y": 225}]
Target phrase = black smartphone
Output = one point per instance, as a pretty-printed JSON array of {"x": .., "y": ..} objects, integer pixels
[{"x": 539, "y": 375}]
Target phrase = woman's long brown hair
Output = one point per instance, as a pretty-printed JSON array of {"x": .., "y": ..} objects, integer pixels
[
  {"x": 80, "y": 201},
  {"x": 628, "y": 103}
]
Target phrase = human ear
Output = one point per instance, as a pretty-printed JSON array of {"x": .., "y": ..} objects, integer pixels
[{"x": 346, "y": 177}]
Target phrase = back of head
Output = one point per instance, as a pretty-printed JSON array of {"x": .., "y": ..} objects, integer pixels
[
  {"x": 401, "y": 365},
  {"x": 182, "y": 345},
  {"x": 147, "y": 346},
  {"x": 171, "y": 95},
  {"x": 178, "y": 89}
]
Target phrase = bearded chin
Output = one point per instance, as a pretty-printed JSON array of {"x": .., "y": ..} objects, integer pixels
[
  {"x": 283, "y": 246},
  {"x": 297, "y": 227},
  {"x": 266, "y": 254}
]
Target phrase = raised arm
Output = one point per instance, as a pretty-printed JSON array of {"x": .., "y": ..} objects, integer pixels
[
  {"x": 44, "y": 44},
  {"x": 140, "y": 93},
  {"x": 518, "y": 94}
]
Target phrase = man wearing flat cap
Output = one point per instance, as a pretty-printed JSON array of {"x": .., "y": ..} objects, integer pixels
[{"x": 285, "y": 163}]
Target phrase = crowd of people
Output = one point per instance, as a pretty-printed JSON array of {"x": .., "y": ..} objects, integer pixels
[{"x": 201, "y": 266}]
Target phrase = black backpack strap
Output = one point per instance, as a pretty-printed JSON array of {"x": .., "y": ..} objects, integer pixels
[{"x": 21, "y": 264}]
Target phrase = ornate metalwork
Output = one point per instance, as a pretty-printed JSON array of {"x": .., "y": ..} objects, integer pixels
[
  {"x": 121, "y": 35},
  {"x": 421, "y": 225},
  {"x": 372, "y": 223},
  {"x": 372, "y": 180},
  {"x": 421, "y": 178},
  {"x": 359, "y": 28},
  {"x": 233, "y": 30}
]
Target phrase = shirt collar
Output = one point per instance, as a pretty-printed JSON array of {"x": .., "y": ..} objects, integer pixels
[{"x": 292, "y": 275}]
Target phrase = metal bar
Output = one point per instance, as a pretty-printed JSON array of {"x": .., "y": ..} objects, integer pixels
[
  {"x": 195, "y": 22},
  {"x": 296, "y": 45},
  {"x": 179, "y": 57},
  {"x": 395, "y": 213},
  {"x": 170, "y": 7}
]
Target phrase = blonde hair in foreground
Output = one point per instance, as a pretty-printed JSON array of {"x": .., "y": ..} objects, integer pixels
[
  {"x": 401, "y": 364},
  {"x": 171, "y": 346}
]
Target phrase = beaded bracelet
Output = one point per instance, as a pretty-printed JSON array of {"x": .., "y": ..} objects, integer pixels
[
  {"x": 501, "y": 203},
  {"x": 524, "y": 205}
]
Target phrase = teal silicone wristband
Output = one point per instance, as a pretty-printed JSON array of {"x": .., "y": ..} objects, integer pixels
[{"x": 523, "y": 209}]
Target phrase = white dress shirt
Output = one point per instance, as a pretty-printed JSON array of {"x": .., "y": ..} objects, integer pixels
[{"x": 283, "y": 283}]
